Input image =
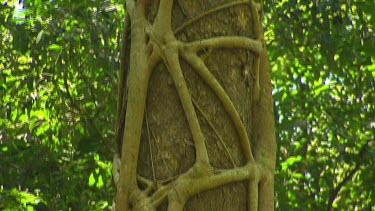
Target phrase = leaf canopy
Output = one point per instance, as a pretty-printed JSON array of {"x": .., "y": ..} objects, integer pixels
[{"x": 58, "y": 77}]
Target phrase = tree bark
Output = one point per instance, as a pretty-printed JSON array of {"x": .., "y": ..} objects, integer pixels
[{"x": 195, "y": 122}]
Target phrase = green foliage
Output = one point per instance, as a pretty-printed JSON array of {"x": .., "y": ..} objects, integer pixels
[
  {"x": 322, "y": 61},
  {"x": 58, "y": 73},
  {"x": 14, "y": 199}
]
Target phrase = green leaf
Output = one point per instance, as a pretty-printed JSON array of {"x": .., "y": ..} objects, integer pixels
[
  {"x": 321, "y": 89},
  {"x": 13, "y": 115},
  {"x": 54, "y": 47},
  {"x": 91, "y": 180},
  {"x": 290, "y": 161},
  {"x": 297, "y": 175},
  {"x": 100, "y": 182},
  {"x": 39, "y": 37}
]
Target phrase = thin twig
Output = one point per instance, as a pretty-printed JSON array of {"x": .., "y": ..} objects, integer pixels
[
  {"x": 208, "y": 12},
  {"x": 149, "y": 144},
  {"x": 216, "y": 133},
  {"x": 162, "y": 158}
]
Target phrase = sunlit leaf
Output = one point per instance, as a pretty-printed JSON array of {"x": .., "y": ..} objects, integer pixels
[
  {"x": 290, "y": 161},
  {"x": 100, "y": 183},
  {"x": 39, "y": 37},
  {"x": 92, "y": 180},
  {"x": 54, "y": 47}
]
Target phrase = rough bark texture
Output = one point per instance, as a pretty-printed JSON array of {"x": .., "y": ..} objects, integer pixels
[{"x": 195, "y": 122}]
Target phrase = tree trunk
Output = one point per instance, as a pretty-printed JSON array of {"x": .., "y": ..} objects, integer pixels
[{"x": 195, "y": 122}]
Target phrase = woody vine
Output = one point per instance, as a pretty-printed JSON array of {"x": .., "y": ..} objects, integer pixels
[{"x": 155, "y": 43}]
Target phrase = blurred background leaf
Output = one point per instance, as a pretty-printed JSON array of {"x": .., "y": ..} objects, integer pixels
[{"x": 322, "y": 61}]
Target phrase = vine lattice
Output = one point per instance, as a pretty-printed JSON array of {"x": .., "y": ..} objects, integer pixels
[{"x": 151, "y": 44}]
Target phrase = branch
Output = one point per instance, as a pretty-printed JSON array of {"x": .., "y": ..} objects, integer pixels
[
  {"x": 174, "y": 68},
  {"x": 186, "y": 188},
  {"x": 130, "y": 5},
  {"x": 256, "y": 21},
  {"x": 252, "y": 195},
  {"x": 205, "y": 74},
  {"x": 157, "y": 198},
  {"x": 189, "y": 183},
  {"x": 208, "y": 12},
  {"x": 227, "y": 42},
  {"x": 223, "y": 177},
  {"x": 258, "y": 36},
  {"x": 256, "y": 66},
  {"x": 139, "y": 76},
  {"x": 163, "y": 17}
]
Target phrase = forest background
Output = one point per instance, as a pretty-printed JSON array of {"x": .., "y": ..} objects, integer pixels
[{"x": 59, "y": 63}]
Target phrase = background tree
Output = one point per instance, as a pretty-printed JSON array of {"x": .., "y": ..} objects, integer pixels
[
  {"x": 323, "y": 71},
  {"x": 53, "y": 154},
  {"x": 58, "y": 66}
]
